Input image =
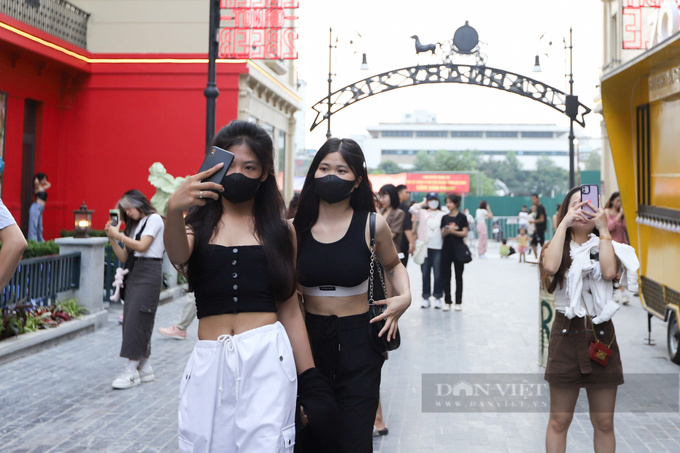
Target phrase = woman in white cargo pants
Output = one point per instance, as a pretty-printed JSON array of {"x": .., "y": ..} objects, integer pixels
[{"x": 238, "y": 391}]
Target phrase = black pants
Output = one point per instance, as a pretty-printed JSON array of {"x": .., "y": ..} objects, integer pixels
[
  {"x": 447, "y": 260},
  {"x": 344, "y": 353}
]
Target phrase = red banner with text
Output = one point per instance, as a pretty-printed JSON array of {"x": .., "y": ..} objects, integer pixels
[{"x": 438, "y": 182}]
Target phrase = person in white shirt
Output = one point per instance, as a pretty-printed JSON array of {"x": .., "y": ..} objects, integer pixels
[
  {"x": 13, "y": 245},
  {"x": 142, "y": 252},
  {"x": 483, "y": 213},
  {"x": 522, "y": 218},
  {"x": 429, "y": 217},
  {"x": 579, "y": 267}
]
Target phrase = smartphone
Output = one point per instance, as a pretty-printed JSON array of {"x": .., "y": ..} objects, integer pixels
[
  {"x": 114, "y": 215},
  {"x": 590, "y": 193},
  {"x": 214, "y": 157}
]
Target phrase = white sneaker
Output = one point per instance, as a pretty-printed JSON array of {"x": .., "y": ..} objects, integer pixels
[
  {"x": 437, "y": 303},
  {"x": 425, "y": 304},
  {"x": 146, "y": 377},
  {"x": 458, "y": 307},
  {"x": 447, "y": 307},
  {"x": 624, "y": 299},
  {"x": 126, "y": 379}
]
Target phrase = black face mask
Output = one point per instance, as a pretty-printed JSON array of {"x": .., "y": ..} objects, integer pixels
[
  {"x": 239, "y": 188},
  {"x": 333, "y": 189}
]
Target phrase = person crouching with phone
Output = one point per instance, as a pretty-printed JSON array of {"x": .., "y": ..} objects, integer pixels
[
  {"x": 579, "y": 267},
  {"x": 142, "y": 251}
]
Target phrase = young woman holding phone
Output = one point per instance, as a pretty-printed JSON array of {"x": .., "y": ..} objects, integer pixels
[
  {"x": 334, "y": 264},
  {"x": 238, "y": 391}
]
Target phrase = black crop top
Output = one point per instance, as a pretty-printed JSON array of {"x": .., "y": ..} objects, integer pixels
[
  {"x": 346, "y": 262},
  {"x": 233, "y": 280}
]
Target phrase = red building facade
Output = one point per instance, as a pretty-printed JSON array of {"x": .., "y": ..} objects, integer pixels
[{"x": 94, "y": 123}]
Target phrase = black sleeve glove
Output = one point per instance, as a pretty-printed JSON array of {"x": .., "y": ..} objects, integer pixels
[{"x": 325, "y": 427}]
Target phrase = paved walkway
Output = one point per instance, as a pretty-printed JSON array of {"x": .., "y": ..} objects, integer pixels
[{"x": 60, "y": 400}]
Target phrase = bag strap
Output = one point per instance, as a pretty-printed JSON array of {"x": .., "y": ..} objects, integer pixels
[
  {"x": 371, "y": 227},
  {"x": 138, "y": 236}
]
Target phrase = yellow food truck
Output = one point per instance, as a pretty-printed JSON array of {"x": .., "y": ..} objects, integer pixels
[{"x": 641, "y": 107}]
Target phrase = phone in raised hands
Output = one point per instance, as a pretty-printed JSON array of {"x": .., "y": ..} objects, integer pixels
[
  {"x": 214, "y": 157},
  {"x": 591, "y": 194}
]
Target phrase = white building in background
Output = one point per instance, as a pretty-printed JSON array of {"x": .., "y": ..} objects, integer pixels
[{"x": 419, "y": 131}]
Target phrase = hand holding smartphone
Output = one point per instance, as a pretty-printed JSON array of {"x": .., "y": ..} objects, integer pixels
[
  {"x": 590, "y": 193},
  {"x": 114, "y": 215},
  {"x": 214, "y": 157}
]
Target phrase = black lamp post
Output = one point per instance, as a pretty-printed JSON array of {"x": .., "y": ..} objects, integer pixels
[
  {"x": 211, "y": 92},
  {"x": 363, "y": 67},
  {"x": 571, "y": 102}
]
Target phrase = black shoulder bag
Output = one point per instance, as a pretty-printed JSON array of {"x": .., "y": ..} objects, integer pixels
[
  {"x": 461, "y": 252},
  {"x": 130, "y": 263},
  {"x": 375, "y": 310}
]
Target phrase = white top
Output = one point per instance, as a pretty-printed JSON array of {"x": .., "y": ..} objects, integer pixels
[
  {"x": 6, "y": 218},
  {"x": 531, "y": 227},
  {"x": 523, "y": 218},
  {"x": 154, "y": 228},
  {"x": 434, "y": 223},
  {"x": 481, "y": 215}
]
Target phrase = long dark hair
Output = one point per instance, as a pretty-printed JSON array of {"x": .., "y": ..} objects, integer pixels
[
  {"x": 614, "y": 196},
  {"x": 362, "y": 199},
  {"x": 483, "y": 204},
  {"x": 268, "y": 213},
  {"x": 560, "y": 275},
  {"x": 134, "y": 199},
  {"x": 390, "y": 190}
]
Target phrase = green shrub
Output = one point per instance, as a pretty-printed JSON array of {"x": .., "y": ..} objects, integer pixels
[
  {"x": 36, "y": 249},
  {"x": 93, "y": 233}
]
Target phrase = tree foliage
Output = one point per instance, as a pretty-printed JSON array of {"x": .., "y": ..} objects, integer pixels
[
  {"x": 593, "y": 161},
  {"x": 387, "y": 167}
]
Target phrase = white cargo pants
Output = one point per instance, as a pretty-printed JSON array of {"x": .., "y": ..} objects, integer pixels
[{"x": 238, "y": 394}]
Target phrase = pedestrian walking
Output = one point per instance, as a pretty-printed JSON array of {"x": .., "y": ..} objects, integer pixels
[
  {"x": 617, "y": 227},
  {"x": 179, "y": 330},
  {"x": 522, "y": 244},
  {"x": 408, "y": 240},
  {"x": 238, "y": 390},
  {"x": 579, "y": 267},
  {"x": 142, "y": 251},
  {"x": 35, "y": 217},
  {"x": 429, "y": 216},
  {"x": 540, "y": 222},
  {"x": 13, "y": 244},
  {"x": 483, "y": 213},
  {"x": 334, "y": 265},
  {"x": 454, "y": 227},
  {"x": 389, "y": 208}
]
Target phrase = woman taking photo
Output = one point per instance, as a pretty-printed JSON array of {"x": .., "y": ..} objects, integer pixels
[
  {"x": 454, "y": 228},
  {"x": 389, "y": 203},
  {"x": 142, "y": 251},
  {"x": 579, "y": 267},
  {"x": 238, "y": 391},
  {"x": 483, "y": 213},
  {"x": 617, "y": 227},
  {"x": 429, "y": 218},
  {"x": 334, "y": 266}
]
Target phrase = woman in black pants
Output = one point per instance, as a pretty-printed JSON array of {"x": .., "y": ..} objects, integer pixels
[
  {"x": 333, "y": 264},
  {"x": 454, "y": 229}
]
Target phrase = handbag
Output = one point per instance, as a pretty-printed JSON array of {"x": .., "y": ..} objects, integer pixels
[
  {"x": 375, "y": 310},
  {"x": 598, "y": 351},
  {"x": 420, "y": 253},
  {"x": 461, "y": 253}
]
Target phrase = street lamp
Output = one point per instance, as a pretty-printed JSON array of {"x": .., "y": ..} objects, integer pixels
[
  {"x": 83, "y": 221},
  {"x": 363, "y": 67},
  {"x": 571, "y": 102},
  {"x": 211, "y": 92}
]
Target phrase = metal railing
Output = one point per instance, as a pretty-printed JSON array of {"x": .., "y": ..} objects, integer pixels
[
  {"x": 56, "y": 17},
  {"x": 40, "y": 279},
  {"x": 508, "y": 227},
  {"x": 111, "y": 263}
]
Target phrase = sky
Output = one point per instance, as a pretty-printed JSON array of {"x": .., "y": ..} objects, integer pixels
[{"x": 510, "y": 31}]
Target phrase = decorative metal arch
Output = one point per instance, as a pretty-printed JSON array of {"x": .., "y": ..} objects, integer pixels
[{"x": 451, "y": 73}]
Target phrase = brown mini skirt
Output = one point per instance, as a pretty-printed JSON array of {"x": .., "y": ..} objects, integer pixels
[{"x": 569, "y": 364}]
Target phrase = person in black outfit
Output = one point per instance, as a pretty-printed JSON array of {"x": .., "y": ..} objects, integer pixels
[
  {"x": 408, "y": 243},
  {"x": 541, "y": 222},
  {"x": 454, "y": 228}
]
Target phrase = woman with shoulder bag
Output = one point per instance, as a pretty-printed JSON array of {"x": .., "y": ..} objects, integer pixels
[
  {"x": 454, "y": 227},
  {"x": 579, "y": 268},
  {"x": 340, "y": 238},
  {"x": 429, "y": 217},
  {"x": 239, "y": 388},
  {"x": 142, "y": 252}
]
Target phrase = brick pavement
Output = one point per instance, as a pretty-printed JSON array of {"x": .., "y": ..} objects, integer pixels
[{"x": 60, "y": 400}]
